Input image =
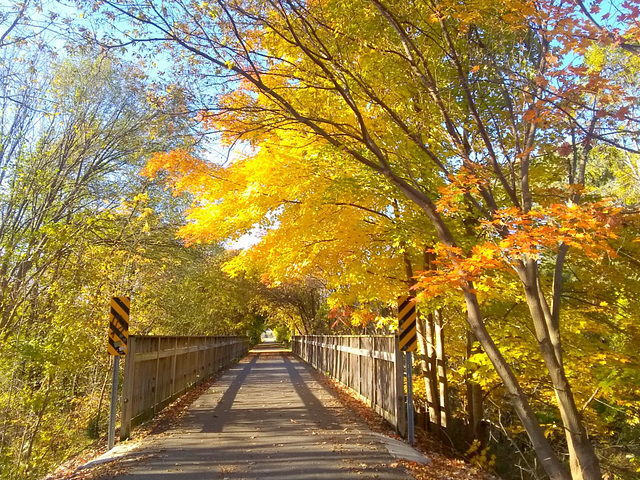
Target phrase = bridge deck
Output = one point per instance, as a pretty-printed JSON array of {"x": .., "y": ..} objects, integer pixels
[{"x": 267, "y": 418}]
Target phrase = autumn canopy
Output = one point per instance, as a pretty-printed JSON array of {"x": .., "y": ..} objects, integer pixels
[
  {"x": 482, "y": 154},
  {"x": 378, "y": 134}
]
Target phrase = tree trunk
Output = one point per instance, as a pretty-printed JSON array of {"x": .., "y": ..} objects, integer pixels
[
  {"x": 433, "y": 397},
  {"x": 443, "y": 384},
  {"x": 550, "y": 462},
  {"x": 583, "y": 461},
  {"x": 474, "y": 395},
  {"x": 424, "y": 366},
  {"x": 36, "y": 428},
  {"x": 102, "y": 390}
]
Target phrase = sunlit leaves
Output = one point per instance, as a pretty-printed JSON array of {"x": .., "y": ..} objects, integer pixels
[{"x": 374, "y": 127}]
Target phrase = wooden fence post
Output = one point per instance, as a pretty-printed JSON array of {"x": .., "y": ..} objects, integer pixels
[
  {"x": 155, "y": 388},
  {"x": 359, "y": 357},
  {"x": 174, "y": 361},
  {"x": 374, "y": 374}
]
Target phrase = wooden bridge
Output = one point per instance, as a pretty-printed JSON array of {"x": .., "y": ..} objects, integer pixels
[{"x": 268, "y": 416}]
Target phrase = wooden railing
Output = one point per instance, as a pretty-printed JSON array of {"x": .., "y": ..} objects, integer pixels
[
  {"x": 159, "y": 369},
  {"x": 371, "y": 366}
]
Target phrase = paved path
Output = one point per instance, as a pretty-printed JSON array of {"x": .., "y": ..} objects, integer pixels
[{"x": 267, "y": 418}]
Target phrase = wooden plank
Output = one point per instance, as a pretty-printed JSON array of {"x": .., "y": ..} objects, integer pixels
[
  {"x": 165, "y": 374},
  {"x": 359, "y": 358},
  {"x": 388, "y": 356},
  {"x": 375, "y": 396},
  {"x": 143, "y": 357}
]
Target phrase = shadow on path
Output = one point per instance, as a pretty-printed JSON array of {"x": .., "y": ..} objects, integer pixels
[
  {"x": 222, "y": 409},
  {"x": 318, "y": 412}
]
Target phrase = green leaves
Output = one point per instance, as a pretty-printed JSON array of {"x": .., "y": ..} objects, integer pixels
[{"x": 77, "y": 226}]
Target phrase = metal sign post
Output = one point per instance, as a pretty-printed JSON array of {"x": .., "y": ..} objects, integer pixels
[
  {"x": 117, "y": 347},
  {"x": 114, "y": 401},
  {"x": 408, "y": 341}
]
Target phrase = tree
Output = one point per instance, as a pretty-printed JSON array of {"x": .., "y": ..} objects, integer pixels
[
  {"x": 455, "y": 106},
  {"x": 72, "y": 133}
]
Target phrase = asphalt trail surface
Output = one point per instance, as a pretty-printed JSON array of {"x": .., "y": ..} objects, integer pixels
[{"x": 267, "y": 418}]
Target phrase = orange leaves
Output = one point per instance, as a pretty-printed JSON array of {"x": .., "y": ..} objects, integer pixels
[
  {"x": 587, "y": 228},
  {"x": 539, "y": 111},
  {"x": 346, "y": 315},
  {"x": 465, "y": 182},
  {"x": 362, "y": 317},
  {"x": 185, "y": 172},
  {"x": 565, "y": 149},
  {"x": 622, "y": 112},
  {"x": 512, "y": 13},
  {"x": 455, "y": 269},
  {"x": 513, "y": 234}
]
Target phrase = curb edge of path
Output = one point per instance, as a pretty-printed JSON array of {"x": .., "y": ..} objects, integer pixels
[{"x": 401, "y": 450}]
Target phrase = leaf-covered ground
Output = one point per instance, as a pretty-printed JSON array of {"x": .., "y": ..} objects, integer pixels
[{"x": 446, "y": 463}]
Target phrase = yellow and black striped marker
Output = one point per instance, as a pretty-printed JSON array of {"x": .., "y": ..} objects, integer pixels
[
  {"x": 407, "y": 324},
  {"x": 119, "y": 326}
]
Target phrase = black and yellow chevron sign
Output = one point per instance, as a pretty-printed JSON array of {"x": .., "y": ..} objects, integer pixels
[
  {"x": 407, "y": 324},
  {"x": 119, "y": 326}
]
